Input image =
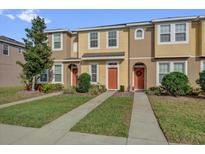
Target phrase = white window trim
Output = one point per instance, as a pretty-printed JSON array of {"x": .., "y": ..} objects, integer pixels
[
  {"x": 171, "y": 64},
  {"x": 89, "y": 47},
  {"x": 47, "y": 72},
  {"x": 172, "y": 33},
  {"x": 91, "y": 73},
  {"x": 118, "y": 73},
  {"x": 107, "y": 40},
  {"x": 61, "y": 36},
  {"x": 62, "y": 70},
  {"x": 139, "y": 38},
  {"x": 201, "y": 65},
  {"x": 3, "y": 50}
]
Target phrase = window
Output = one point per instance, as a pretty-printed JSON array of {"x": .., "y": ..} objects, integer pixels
[
  {"x": 173, "y": 33},
  {"x": 165, "y": 33},
  {"x": 44, "y": 76},
  {"x": 93, "y": 40},
  {"x": 167, "y": 67},
  {"x": 57, "y": 41},
  {"x": 58, "y": 73},
  {"x": 75, "y": 46},
  {"x": 112, "y": 39},
  {"x": 93, "y": 73},
  {"x": 139, "y": 34},
  {"x": 180, "y": 32},
  {"x": 164, "y": 68},
  {"x": 179, "y": 67},
  {"x": 20, "y": 50},
  {"x": 5, "y": 49},
  {"x": 202, "y": 65}
]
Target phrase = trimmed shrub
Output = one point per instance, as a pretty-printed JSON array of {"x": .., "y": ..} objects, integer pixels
[
  {"x": 70, "y": 90},
  {"x": 154, "y": 91},
  {"x": 49, "y": 87},
  {"x": 122, "y": 88},
  {"x": 201, "y": 80},
  {"x": 83, "y": 83},
  {"x": 97, "y": 89},
  {"x": 176, "y": 84}
]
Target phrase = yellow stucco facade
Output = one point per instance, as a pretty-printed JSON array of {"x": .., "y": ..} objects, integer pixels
[{"x": 122, "y": 47}]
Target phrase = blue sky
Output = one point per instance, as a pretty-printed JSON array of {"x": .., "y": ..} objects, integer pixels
[{"x": 13, "y": 22}]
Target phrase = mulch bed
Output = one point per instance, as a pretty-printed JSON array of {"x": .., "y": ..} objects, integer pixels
[{"x": 123, "y": 94}]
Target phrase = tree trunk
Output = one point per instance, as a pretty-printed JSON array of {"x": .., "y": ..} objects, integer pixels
[{"x": 33, "y": 83}]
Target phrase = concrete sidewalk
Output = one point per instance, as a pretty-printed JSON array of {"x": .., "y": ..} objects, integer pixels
[
  {"x": 56, "y": 130},
  {"x": 30, "y": 99},
  {"x": 144, "y": 128}
]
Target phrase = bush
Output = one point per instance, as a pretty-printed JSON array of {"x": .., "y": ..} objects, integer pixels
[
  {"x": 195, "y": 92},
  {"x": 201, "y": 80},
  {"x": 83, "y": 83},
  {"x": 70, "y": 90},
  {"x": 176, "y": 84},
  {"x": 102, "y": 88},
  {"x": 97, "y": 89},
  {"x": 49, "y": 87},
  {"x": 122, "y": 88},
  {"x": 154, "y": 91}
]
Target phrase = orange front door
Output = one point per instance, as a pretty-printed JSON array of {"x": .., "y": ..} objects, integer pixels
[
  {"x": 74, "y": 76},
  {"x": 139, "y": 78},
  {"x": 112, "y": 78}
]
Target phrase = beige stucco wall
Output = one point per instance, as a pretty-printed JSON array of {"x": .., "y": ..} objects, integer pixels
[
  {"x": 123, "y": 71},
  {"x": 66, "y": 51},
  {"x": 123, "y": 47},
  {"x": 176, "y": 50},
  {"x": 202, "y": 36},
  {"x": 74, "y": 39},
  {"x": 9, "y": 70},
  {"x": 143, "y": 47}
]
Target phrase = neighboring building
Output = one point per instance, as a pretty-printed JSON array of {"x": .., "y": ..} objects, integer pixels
[
  {"x": 136, "y": 55},
  {"x": 10, "y": 52}
]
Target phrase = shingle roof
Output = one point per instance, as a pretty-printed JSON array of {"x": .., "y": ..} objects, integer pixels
[{"x": 11, "y": 41}]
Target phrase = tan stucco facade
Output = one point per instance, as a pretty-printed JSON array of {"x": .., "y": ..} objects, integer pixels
[
  {"x": 177, "y": 49},
  {"x": 123, "y": 47},
  {"x": 9, "y": 70}
]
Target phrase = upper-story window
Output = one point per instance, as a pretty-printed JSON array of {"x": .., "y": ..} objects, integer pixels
[
  {"x": 173, "y": 33},
  {"x": 180, "y": 32},
  {"x": 57, "y": 41},
  {"x": 165, "y": 33},
  {"x": 93, "y": 40},
  {"x": 112, "y": 39},
  {"x": 75, "y": 46},
  {"x": 139, "y": 34},
  {"x": 20, "y": 50},
  {"x": 5, "y": 50}
]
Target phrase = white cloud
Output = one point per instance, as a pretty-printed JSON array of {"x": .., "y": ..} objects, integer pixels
[
  {"x": 28, "y": 15},
  {"x": 10, "y": 16}
]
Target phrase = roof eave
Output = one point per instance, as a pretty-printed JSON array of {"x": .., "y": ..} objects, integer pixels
[
  {"x": 101, "y": 28},
  {"x": 174, "y": 19}
]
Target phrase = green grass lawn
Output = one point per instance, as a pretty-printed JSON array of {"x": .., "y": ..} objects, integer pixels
[
  {"x": 40, "y": 112},
  {"x": 11, "y": 94},
  {"x": 181, "y": 119},
  {"x": 111, "y": 118}
]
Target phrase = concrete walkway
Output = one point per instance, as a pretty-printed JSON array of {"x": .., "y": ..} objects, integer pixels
[
  {"x": 56, "y": 130},
  {"x": 144, "y": 128},
  {"x": 30, "y": 99}
]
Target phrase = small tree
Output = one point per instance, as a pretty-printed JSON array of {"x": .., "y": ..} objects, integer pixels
[
  {"x": 83, "y": 83},
  {"x": 201, "y": 80},
  {"x": 37, "y": 53},
  {"x": 176, "y": 84}
]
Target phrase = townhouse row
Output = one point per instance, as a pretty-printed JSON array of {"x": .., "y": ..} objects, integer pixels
[{"x": 136, "y": 55}]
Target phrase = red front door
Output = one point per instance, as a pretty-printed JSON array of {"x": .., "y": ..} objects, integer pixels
[
  {"x": 139, "y": 78},
  {"x": 74, "y": 76},
  {"x": 112, "y": 78}
]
